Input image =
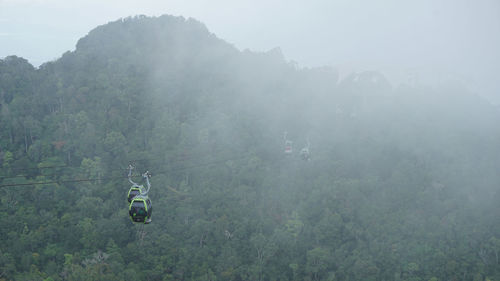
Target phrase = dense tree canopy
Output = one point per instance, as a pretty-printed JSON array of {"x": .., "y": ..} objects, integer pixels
[{"x": 402, "y": 183}]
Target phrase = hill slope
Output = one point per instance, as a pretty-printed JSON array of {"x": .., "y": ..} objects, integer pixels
[{"x": 402, "y": 182}]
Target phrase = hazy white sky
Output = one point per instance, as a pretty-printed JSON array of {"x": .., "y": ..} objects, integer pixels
[{"x": 461, "y": 37}]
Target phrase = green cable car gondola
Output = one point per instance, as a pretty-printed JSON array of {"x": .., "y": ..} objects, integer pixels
[
  {"x": 140, "y": 207},
  {"x": 135, "y": 189},
  {"x": 133, "y": 192}
]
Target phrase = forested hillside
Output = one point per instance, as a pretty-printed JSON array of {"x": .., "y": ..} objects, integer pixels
[{"x": 402, "y": 181}]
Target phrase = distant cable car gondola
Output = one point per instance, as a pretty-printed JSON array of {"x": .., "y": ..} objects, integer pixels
[
  {"x": 304, "y": 152},
  {"x": 288, "y": 145}
]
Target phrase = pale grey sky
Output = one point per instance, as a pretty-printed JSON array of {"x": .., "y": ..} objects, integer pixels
[{"x": 435, "y": 38}]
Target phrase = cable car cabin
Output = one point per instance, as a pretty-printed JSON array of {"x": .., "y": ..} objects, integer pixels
[
  {"x": 140, "y": 209},
  {"x": 133, "y": 192},
  {"x": 304, "y": 154},
  {"x": 288, "y": 147}
]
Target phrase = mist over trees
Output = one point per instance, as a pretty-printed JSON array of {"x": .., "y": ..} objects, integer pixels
[{"x": 402, "y": 184}]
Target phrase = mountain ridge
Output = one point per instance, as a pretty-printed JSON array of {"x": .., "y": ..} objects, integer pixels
[{"x": 402, "y": 183}]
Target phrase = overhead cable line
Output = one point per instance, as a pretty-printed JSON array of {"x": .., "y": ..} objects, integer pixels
[
  {"x": 177, "y": 169},
  {"x": 175, "y": 159},
  {"x": 41, "y": 168}
]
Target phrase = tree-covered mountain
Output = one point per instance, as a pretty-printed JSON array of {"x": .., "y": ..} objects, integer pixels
[{"x": 402, "y": 183}]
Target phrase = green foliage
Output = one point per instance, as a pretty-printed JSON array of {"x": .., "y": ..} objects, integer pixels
[{"x": 8, "y": 157}]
